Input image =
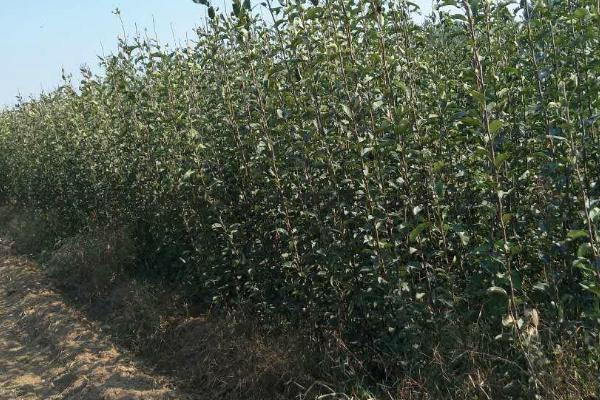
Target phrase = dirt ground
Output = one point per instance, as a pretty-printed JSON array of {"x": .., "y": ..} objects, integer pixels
[{"x": 50, "y": 351}]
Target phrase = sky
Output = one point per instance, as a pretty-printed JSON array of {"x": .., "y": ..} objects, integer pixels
[{"x": 40, "y": 38}]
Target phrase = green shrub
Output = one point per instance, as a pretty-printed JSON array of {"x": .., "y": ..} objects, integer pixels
[{"x": 411, "y": 193}]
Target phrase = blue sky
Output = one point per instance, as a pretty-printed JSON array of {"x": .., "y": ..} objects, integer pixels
[{"x": 38, "y": 38}]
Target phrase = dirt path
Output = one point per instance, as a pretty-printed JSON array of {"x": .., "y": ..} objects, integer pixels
[{"x": 49, "y": 351}]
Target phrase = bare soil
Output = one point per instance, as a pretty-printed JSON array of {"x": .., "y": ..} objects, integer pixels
[{"x": 48, "y": 350}]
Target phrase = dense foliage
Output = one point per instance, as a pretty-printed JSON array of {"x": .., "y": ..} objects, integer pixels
[{"x": 426, "y": 195}]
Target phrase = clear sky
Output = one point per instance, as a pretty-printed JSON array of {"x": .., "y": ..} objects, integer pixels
[{"x": 40, "y": 37}]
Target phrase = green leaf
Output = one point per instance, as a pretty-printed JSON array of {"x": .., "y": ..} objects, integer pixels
[
  {"x": 592, "y": 288},
  {"x": 502, "y": 92},
  {"x": 495, "y": 126},
  {"x": 516, "y": 279},
  {"x": 464, "y": 238},
  {"x": 585, "y": 251},
  {"x": 497, "y": 290},
  {"x": 415, "y": 5},
  {"x": 194, "y": 133},
  {"x": 513, "y": 248},
  {"x": 313, "y": 12},
  {"x": 541, "y": 286},
  {"x": 366, "y": 151},
  {"x": 476, "y": 94},
  {"x": 438, "y": 188},
  {"x": 580, "y": 13},
  {"x": 576, "y": 234},
  {"x": 347, "y": 110},
  {"x": 377, "y": 104},
  {"x": 237, "y": 8},
  {"x": 438, "y": 165},
  {"x": 595, "y": 214},
  {"x": 500, "y": 158},
  {"x": 188, "y": 174},
  {"x": 506, "y": 218},
  {"x": 418, "y": 230},
  {"x": 471, "y": 121}
]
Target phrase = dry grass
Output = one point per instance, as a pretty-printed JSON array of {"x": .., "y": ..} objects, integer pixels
[
  {"x": 223, "y": 357},
  {"x": 48, "y": 350},
  {"x": 567, "y": 377},
  {"x": 232, "y": 360}
]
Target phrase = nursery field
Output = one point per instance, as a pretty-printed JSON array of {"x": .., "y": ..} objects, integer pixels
[{"x": 416, "y": 206}]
